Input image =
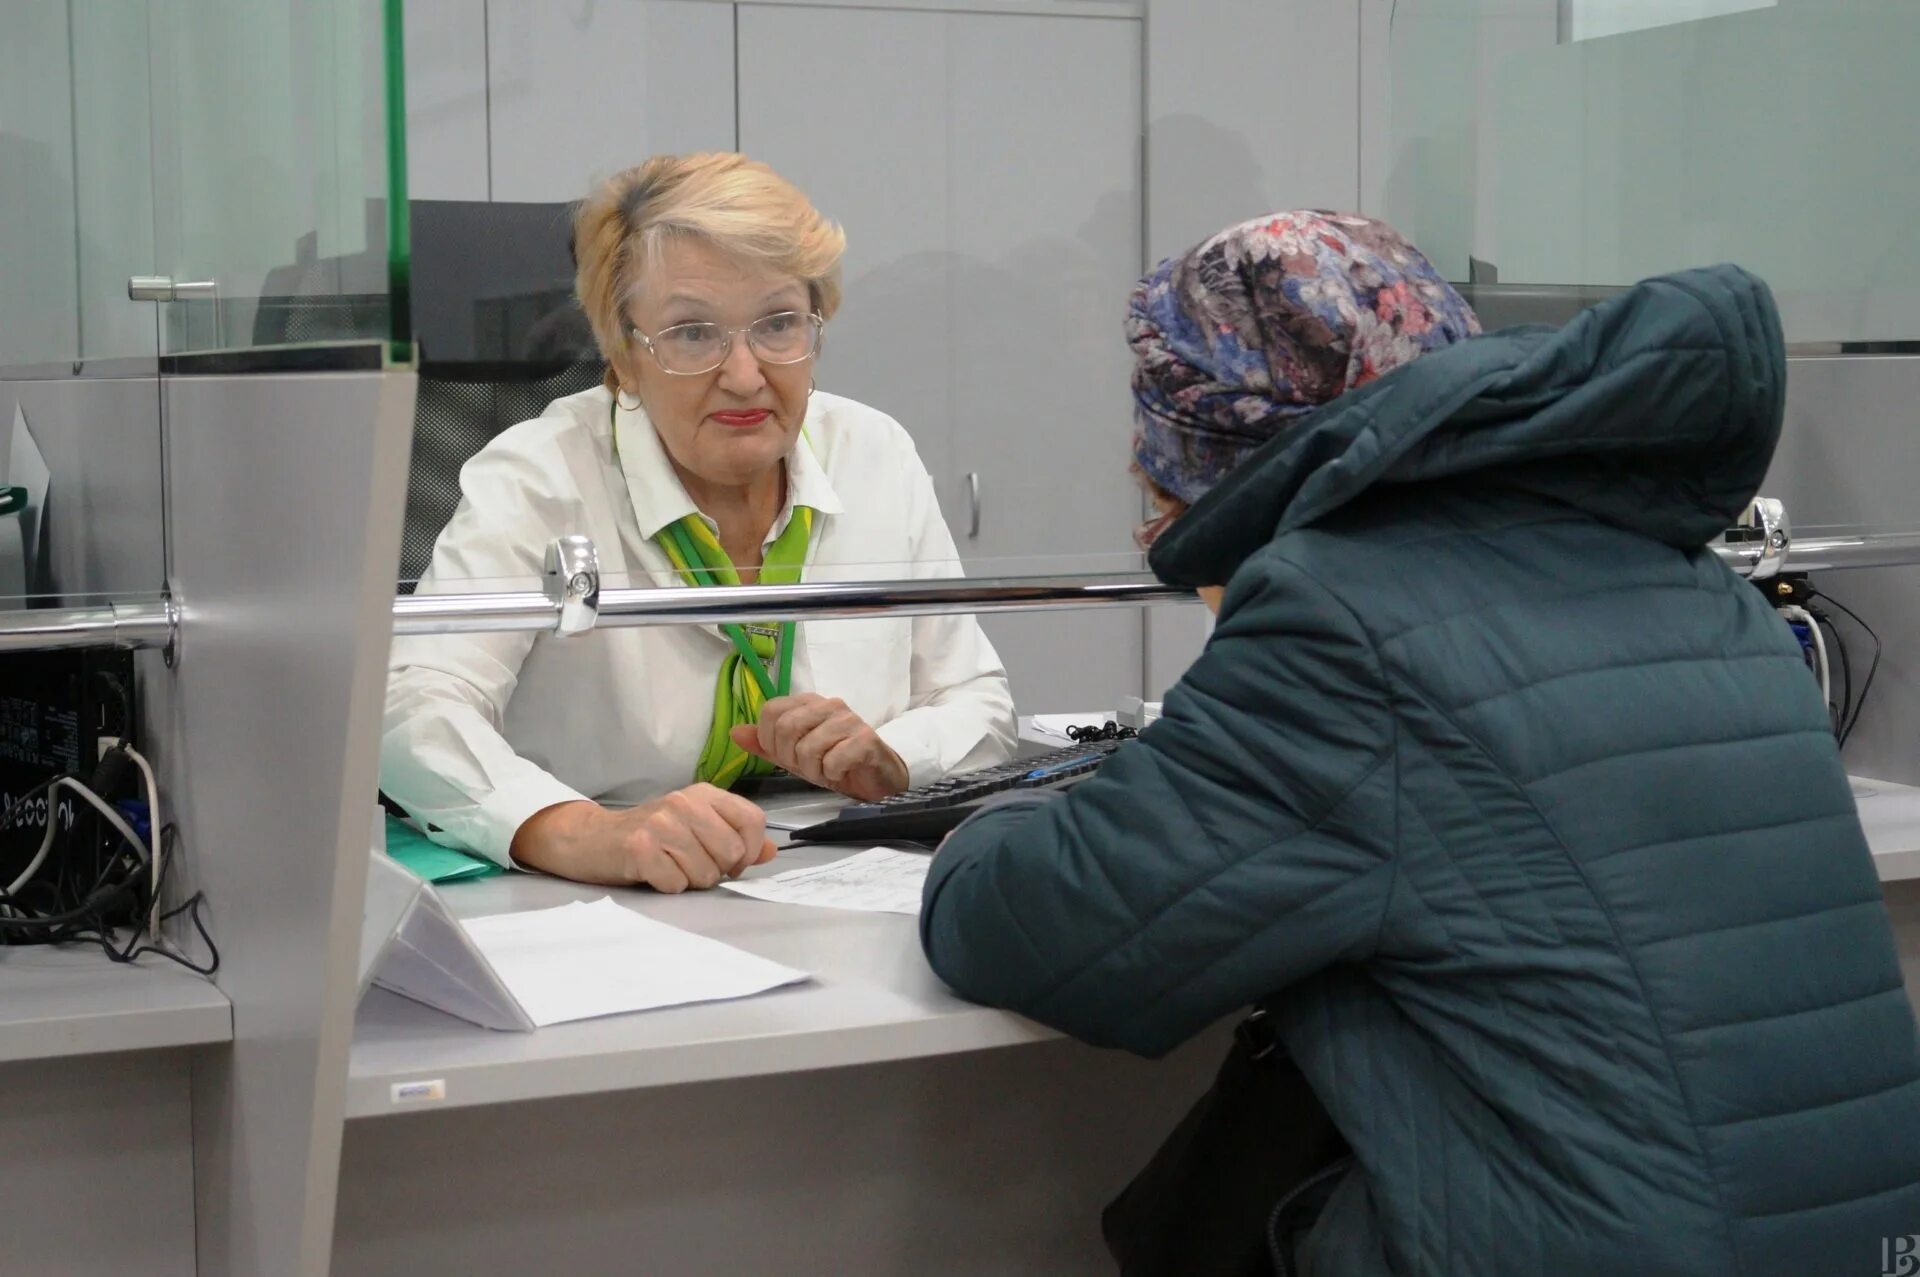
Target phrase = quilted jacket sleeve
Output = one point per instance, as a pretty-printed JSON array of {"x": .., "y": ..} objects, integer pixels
[{"x": 1243, "y": 843}]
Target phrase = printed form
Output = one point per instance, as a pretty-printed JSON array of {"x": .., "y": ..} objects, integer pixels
[{"x": 878, "y": 881}]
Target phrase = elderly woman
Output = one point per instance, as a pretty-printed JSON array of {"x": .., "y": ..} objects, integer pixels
[
  {"x": 707, "y": 458},
  {"x": 1515, "y": 810}
]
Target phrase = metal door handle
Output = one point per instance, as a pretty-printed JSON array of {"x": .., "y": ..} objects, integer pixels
[
  {"x": 162, "y": 288},
  {"x": 973, "y": 506}
]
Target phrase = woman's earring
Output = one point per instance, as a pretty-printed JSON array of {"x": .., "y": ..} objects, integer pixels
[
  {"x": 813, "y": 384},
  {"x": 620, "y": 397}
]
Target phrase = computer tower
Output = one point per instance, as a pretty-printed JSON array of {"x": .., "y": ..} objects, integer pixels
[{"x": 59, "y": 712}]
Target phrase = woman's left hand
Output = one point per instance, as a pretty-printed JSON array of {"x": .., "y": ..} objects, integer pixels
[{"x": 820, "y": 740}]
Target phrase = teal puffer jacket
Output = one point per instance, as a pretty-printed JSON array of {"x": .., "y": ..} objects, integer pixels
[{"x": 1525, "y": 806}]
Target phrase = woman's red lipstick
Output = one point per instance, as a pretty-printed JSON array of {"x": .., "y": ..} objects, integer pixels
[{"x": 742, "y": 420}]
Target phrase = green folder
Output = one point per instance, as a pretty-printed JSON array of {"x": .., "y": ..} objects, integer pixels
[{"x": 429, "y": 859}]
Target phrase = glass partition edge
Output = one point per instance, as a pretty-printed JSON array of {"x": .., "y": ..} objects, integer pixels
[{"x": 399, "y": 217}]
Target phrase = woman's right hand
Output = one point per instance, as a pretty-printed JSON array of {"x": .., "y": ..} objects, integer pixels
[{"x": 693, "y": 837}]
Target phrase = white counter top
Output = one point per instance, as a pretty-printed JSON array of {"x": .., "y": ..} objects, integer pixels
[
  {"x": 872, "y": 999},
  {"x": 1890, "y": 814},
  {"x": 70, "y": 1001}
]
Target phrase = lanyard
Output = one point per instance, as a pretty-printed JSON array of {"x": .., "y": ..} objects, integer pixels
[
  {"x": 771, "y": 683},
  {"x": 754, "y": 673}
]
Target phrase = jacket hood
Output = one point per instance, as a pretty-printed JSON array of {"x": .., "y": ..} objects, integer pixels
[{"x": 1656, "y": 411}]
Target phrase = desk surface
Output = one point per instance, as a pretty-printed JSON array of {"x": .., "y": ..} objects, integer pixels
[
  {"x": 57, "y": 1003},
  {"x": 872, "y": 999},
  {"x": 1890, "y": 814}
]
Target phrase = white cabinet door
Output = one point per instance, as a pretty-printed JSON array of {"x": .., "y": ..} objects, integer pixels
[
  {"x": 579, "y": 91},
  {"x": 446, "y": 55},
  {"x": 987, "y": 170},
  {"x": 852, "y": 107}
]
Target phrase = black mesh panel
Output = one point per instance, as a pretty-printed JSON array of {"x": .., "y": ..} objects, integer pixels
[{"x": 453, "y": 419}]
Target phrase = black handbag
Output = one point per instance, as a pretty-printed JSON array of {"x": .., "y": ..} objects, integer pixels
[{"x": 1219, "y": 1198}]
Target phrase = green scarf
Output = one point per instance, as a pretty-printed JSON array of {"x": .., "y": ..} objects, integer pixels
[{"x": 747, "y": 677}]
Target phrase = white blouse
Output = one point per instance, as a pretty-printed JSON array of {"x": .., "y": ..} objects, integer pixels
[{"x": 484, "y": 730}]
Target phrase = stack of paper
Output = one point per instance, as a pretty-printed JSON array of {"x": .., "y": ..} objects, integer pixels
[
  {"x": 584, "y": 960},
  {"x": 524, "y": 970},
  {"x": 876, "y": 881}
]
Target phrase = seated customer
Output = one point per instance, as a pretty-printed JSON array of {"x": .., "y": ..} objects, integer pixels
[
  {"x": 708, "y": 458},
  {"x": 1515, "y": 807}
]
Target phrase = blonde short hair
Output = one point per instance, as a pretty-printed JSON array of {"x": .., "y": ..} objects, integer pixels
[{"x": 741, "y": 207}]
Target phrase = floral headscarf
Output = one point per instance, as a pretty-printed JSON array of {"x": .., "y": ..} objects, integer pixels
[{"x": 1264, "y": 323}]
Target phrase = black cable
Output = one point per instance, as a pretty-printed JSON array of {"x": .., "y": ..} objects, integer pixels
[
  {"x": 88, "y": 910},
  {"x": 98, "y": 898},
  {"x": 1846, "y": 668},
  {"x": 135, "y": 950},
  {"x": 59, "y": 889},
  {"x": 62, "y": 889},
  {"x": 1873, "y": 667},
  {"x": 1866, "y": 684},
  {"x": 70, "y": 906},
  {"x": 85, "y": 924},
  {"x": 169, "y": 840},
  {"x": 120, "y": 881}
]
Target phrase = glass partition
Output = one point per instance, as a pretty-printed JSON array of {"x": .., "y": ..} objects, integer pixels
[
  {"x": 178, "y": 178},
  {"x": 77, "y": 214},
  {"x": 232, "y": 162},
  {"x": 1582, "y": 144},
  {"x": 39, "y": 231},
  {"x": 277, "y": 167},
  {"x": 113, "y": 157}
]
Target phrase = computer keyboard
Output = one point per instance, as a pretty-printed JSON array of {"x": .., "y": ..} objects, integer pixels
[{"x": 930, "y": 813}]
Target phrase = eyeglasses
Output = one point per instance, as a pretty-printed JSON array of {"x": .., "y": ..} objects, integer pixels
[{"x": 687, "y": 350}]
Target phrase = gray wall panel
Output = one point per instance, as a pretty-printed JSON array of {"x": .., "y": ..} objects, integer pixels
[
  {"x": 1375, "y": 85},
  {"x": 96, "y": 1166},
  {"x": 1252, "y": 106},
  {"x": 286, "y": 529},
  {"x": 985, "y": 289},
  {"x": 579, "y": 92},
  {"x": 1233, "y": 132}
]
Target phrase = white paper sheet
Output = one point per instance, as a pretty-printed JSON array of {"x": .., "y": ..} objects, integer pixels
[
  {"x": 878, "y": 881},
  {"x": 584, "y": 960}
]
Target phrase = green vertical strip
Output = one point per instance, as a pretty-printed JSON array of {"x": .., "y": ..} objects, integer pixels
[{"x": 399, "y": 220}]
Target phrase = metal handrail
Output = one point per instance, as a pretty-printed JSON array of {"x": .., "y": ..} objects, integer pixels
[
  {"x": 154, "y": 624},
  {"x": 1835, "y": 553},
  {"x": 143, "y": 626},
  {"x": 816, "y": 601}
]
